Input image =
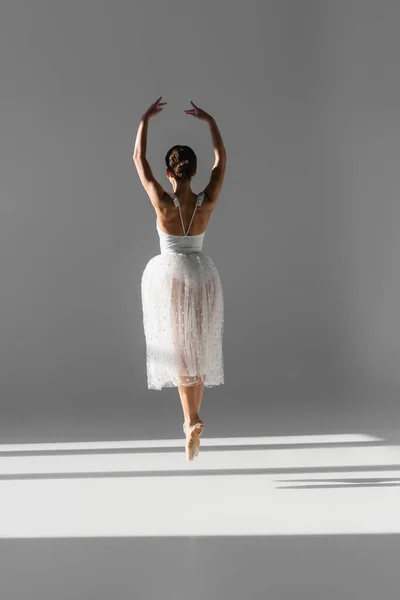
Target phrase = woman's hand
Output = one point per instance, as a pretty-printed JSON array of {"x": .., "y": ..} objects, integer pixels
[
  {"x": 154, "y": 109},
  {"x": 198, "y": 112}
]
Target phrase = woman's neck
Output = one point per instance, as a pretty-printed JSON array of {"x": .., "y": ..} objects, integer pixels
[{"x": 183, "y": 191}]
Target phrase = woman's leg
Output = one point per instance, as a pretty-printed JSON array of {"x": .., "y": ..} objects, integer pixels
[
  {"x": 190, "y": 396},
  {"x": 205, "y": 298},
  {"x": 200, "y": 390}
]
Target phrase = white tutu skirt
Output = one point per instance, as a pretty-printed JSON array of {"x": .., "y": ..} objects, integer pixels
[{"x": 183, "y": 316}]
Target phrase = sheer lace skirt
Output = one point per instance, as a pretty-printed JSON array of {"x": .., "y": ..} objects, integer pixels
[{"x": 183, "y": 316}]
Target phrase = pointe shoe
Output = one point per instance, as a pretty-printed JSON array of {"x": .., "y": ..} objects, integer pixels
[
  {"x": 193, "y": 439},
  {"x": 196, "y": 444}
]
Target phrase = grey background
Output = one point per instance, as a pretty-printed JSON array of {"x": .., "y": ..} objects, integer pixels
[{"x": 305, "y": 235}]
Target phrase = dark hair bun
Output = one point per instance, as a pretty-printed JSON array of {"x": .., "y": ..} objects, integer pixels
[{"x": 182, "y": 162}]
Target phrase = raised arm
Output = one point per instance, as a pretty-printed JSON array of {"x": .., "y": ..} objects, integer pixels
[
  {"x": 213, "y": 188},
  {"x": 154, "y": 189}
]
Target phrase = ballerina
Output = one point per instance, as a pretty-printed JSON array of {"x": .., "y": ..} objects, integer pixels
[{"x": 182, "y": 296}]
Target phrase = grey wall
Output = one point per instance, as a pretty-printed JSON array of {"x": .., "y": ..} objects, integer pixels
[{"x": 305, "y": 236}]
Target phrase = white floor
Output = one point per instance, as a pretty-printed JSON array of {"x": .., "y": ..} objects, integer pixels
[
  {"x": 282, "y": 517},
  {"x": 274, "y": 486}
]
